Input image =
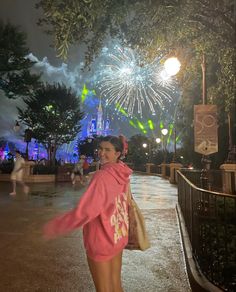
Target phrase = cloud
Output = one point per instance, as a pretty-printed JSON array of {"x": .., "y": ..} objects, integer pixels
[
  {"x": 8, "y": 116},
  {"x": 60, "y": 73}
]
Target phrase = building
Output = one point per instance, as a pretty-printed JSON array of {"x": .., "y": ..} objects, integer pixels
[{"x": 98, "y": 126}]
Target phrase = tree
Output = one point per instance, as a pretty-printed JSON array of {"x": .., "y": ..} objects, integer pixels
[
  {"x": 136, "y": 152},
  {"x": 54, "y": 115},
  {"x": 87, "y": 22},
  {"x": 15, "y": 77},
  {"x": 185, "y": 28},
  {"x": 89, "y": 147}
]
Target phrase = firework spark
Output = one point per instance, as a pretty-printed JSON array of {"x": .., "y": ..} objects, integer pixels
[{"x": 126, "y": 79}]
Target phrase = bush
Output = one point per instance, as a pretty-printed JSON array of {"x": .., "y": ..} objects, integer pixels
[
  {"x": 44, "y": 169},
  {"x": 6, "y": 167}
]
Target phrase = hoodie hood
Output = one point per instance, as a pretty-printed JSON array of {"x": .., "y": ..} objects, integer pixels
[{"x": 120, "y": 171}]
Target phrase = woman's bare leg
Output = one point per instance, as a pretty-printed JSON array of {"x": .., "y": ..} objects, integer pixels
[
  {"x": 24, "y": 186},
  {"x": 107, "y": 275},
  {"x": 116, "y": 263},
  {"x": 14, "y": 188}
]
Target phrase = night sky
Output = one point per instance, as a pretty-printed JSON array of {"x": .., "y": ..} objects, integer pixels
[{"x": 23, "y": 14}]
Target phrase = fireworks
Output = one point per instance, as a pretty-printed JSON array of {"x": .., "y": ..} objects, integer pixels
[{"x": 125, "y": 79}]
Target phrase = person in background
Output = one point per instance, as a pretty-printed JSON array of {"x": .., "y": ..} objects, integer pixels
[
  {"x": 78, "y": 170},
  {"x": 102, "y": 212},
  {"x": 85, "y": 168},
  {"x": 17, "y": 174}
]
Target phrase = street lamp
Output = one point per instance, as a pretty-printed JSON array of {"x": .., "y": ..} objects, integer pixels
[
  {"x": 172, "y": 66},
  {"x": 27, "y": 139},
  {"x": 164, "y": 133},
  {"x": 174, "y": 156},
  {"x": 145, "y": 145}
]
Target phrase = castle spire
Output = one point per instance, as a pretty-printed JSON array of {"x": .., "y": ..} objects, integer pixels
[{"x": 99, "y": 119}]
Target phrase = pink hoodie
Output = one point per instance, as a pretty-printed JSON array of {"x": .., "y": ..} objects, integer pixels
[{"x": 101, "y": 211}]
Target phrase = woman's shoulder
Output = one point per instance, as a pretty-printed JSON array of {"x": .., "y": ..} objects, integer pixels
[{"x": 102, "y": 174}]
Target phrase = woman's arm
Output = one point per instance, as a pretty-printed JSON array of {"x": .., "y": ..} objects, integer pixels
[{"x": 89, "y": 207}]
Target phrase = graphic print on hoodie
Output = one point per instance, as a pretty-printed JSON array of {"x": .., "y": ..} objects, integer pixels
[{"x": 102, "y": 211}]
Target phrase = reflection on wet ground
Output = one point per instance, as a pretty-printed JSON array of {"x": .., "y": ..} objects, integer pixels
[{"x": 30, "y": 264}]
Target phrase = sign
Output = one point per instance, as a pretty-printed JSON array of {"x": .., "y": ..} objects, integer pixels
[{"x": 205, "y": 129}]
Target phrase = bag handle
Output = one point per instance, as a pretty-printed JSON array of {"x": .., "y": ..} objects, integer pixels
[{"x": 129, "y": 194}]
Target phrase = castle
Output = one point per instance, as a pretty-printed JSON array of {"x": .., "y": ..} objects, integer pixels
[{"x": 98, "y": 126}]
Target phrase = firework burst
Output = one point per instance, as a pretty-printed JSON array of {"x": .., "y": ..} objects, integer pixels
[{"x": 125, "y": 79}]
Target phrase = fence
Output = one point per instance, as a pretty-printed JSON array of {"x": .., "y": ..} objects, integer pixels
[
  {"x": 210, "y": 220},
  {"x": 218, "y": 180}
]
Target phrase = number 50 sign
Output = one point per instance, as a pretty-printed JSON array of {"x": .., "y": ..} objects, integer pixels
[{"x": 205, "y": 129}]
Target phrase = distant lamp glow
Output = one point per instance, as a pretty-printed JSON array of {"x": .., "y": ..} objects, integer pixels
[
  {"x": 164, "y": 132},
  {"x": 158, "y": 140},
  {"x": 144, "y": 145},
  {"x": 172, "y": 66}
]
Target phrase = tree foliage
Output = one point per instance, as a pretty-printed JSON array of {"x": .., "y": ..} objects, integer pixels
[
  {"x": 136, "y": 152},
  {"x": 15, "y": 76},
  {"x": 54, "y": 115},
  {"x": 184, "y": 28},
  {"x": 87, "y": 22}
]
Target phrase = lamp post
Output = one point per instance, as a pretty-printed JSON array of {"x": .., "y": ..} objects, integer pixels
[
  {"x": 158, "y": 141},
  {"x": 174, "y": 156},
  {"x": 205, "y": 160},
  {"x": 27, "y": 139},
  {"x": 172, "y": 67},
  {"x": 145, "y": 145},
  {"x": 164, "y": 132}
]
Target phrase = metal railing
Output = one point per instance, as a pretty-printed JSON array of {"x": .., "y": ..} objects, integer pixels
[
  {"x": 218, "y": 180},
  {"x": 210, "y": 220}
]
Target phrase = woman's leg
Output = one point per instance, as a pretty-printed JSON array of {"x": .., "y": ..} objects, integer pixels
[
  {"x": 107, "y": 275},
  {"x": 116, "y": 263},
  {"x": 14, "y": 187},
  {"x": 101, "y": 274},
  {"x": 24, "y": 186}
]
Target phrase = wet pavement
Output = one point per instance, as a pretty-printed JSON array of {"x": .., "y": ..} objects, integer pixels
[{"x": 28, "y": 263}]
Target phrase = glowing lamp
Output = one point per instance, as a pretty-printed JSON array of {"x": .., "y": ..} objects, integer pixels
[
  {"x": 144, "y": 145},
  {"x": 172, "y": 66},
  {"x": 164, "y": 132},
  {"x": 158, "y": 140}
]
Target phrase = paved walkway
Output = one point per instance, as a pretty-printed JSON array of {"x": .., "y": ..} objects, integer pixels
[{"x": 27, "y": 263}]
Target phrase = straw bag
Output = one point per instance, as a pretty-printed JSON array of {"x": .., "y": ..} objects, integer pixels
[{"x": 137, "y": 238}]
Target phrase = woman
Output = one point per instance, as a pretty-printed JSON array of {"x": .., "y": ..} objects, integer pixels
[
  {"x": 102, "y": 212},
  {"x": 18, "y": 173},
  {"x": 78, "y": 170}
]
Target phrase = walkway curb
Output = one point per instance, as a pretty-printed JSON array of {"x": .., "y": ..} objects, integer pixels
[{"x": 198, "y": 281}]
